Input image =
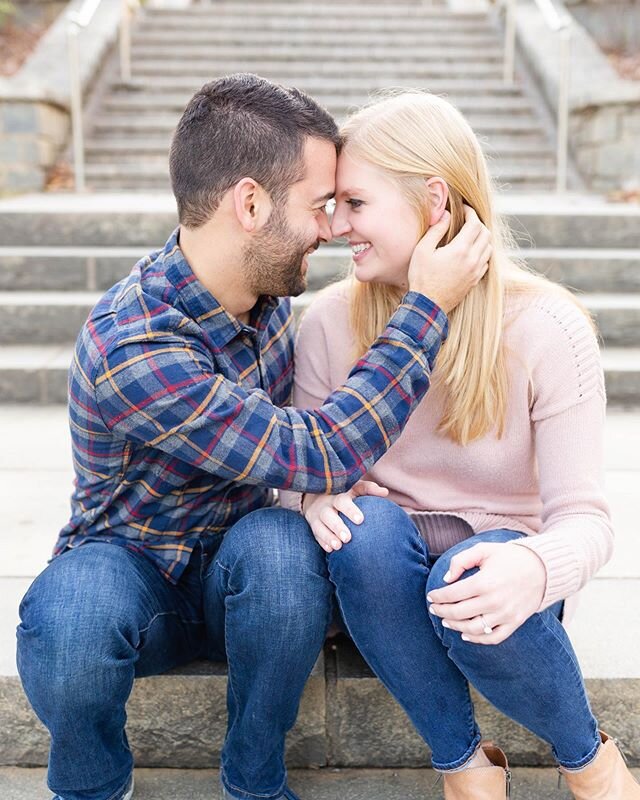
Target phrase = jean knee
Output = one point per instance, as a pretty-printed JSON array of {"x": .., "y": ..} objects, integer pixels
[
  {"x": 377, "y": 548},
  {"x": 272, "y": 553},
  {"x": 74, "y": 609},
  {"x": 272, "y": 539},
  {"x": 381, "y": 529}
]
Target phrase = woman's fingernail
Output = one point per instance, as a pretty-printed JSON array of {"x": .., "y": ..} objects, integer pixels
[
  {"x": 445, "y": 624},
  {"x": 464, "y": 637},
  {"x": 432, "y": 611},
  {"x": 359, "y": 518},
  {"x": 447, "y": 576},
  {"x": 344, "y": 536},
  {"x": 429, "y": 599}
]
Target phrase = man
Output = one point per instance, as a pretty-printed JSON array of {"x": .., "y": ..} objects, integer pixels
[{"x": 180, "y": 427}]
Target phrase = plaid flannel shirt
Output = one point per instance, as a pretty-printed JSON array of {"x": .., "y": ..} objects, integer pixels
[{"x": 179, "y": 417}]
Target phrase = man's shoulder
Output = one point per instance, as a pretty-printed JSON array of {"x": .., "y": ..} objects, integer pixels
[{"x": 139, "y": 308}]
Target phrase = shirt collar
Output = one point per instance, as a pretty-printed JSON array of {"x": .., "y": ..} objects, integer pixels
[{"x": 202, "y": 307}]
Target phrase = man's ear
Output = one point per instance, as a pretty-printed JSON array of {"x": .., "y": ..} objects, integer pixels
[
  {"x": 438, "y": 194},
  {"x": 252, "y": 204}
]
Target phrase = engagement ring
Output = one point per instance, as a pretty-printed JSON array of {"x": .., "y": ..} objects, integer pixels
[{"x": 485, "y": 628}]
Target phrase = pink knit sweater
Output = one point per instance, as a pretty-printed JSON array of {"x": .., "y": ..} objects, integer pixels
[{"x": 543, "y": 477}]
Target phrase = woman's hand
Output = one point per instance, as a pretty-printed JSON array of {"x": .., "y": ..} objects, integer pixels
[
  {"x": 321, "y": 512},
  {"x": 507, "y": 589}
]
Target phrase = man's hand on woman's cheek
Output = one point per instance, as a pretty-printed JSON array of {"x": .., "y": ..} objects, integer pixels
[{"x": 446, "y": 274}]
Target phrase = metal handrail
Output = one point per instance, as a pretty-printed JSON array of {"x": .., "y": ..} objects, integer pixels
[
  {"x": 76, "y": 22},
  {"x": 558, "y": 22}
]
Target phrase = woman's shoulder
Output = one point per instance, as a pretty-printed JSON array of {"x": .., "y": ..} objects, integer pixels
[
  {"x": 337, "y": 291},
  {"x": 328, "y": 306},
  {"x": 554, "y": 336},
  {"x": 546, "y": 314}
]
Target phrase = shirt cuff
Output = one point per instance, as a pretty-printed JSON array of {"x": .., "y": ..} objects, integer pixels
[{"x": 417, "y": 316}]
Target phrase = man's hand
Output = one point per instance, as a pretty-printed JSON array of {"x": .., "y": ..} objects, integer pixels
[
  {"x": 507, "y": 589},
  {"x": 321, "y": 512},
  {"x": 446, "y": 274}
]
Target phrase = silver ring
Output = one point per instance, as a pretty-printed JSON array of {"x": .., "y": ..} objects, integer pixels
[{"x": 485, "y": 628}]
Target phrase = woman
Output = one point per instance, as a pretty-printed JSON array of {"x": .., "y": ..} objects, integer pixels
[{"x": 495, "y": 508}]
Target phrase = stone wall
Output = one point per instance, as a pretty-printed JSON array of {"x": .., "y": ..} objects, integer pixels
[
  {"x": 31, "y": 136},
  {"x": 604, "y": 108},
  {"x": 614, "y": 24},
  {"x": 34, "y": 103}
]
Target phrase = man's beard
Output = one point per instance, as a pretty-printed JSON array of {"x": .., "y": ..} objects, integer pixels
[{"x": 273, "y": 260}]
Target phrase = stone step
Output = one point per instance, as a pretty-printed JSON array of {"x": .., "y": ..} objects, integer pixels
[
  {"x": 361, "y": 23},
  {"x": 590, "y": 270},
  {"x": 294, "y": 22},
  {"x": 56, "y": 317},
  {"x": 153, "y": 126},
  {"x": 335, "y": 10},
  {"x": 524, "y": 147},
  {"x": 353, "y": 56},
  {"x": 38, "y": 374},
  {"x": 355, "y": 91},
  {"x": 133, "y": 219},
  {"x": 98, "y": 268},
  {"x": 448, "y": 85},
  {"x": 117, "y": 177},
  {"x": 346, "y": 716},
  {"x": 146, "y": 40},
  {"x": 322, "y": 784},
  {"x": 290, "y": 71},
  {"x": 346, "y": 719}
]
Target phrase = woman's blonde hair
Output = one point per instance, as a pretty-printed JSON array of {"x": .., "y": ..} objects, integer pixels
[{"x": 412, "y": 136}]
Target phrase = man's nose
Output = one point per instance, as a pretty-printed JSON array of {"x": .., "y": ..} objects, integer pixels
[
  {"x": 339, "y": 224},
  {"x": 325, "y": 229}
]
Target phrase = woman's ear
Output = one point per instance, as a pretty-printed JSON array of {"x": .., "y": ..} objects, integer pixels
[{"x": 438, "y": 193}]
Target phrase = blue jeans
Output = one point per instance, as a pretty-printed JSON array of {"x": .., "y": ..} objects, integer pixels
[
  {"x": 382, "y": 576},
  {"x": 100, "y": 615}
]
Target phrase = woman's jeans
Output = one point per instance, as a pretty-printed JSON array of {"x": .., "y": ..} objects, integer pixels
[
  {"x": 382, "y": 576},
  {"x": 101, "y": 615}
]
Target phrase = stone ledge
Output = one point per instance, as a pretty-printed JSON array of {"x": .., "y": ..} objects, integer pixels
[
  {"x": 177, "y": 719},
  {"x": 346, "y": 719}
]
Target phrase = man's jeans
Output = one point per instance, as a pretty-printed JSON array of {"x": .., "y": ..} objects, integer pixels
[
  {"x": 100, "y": 615},
  {"x": 382, "y": 576}
]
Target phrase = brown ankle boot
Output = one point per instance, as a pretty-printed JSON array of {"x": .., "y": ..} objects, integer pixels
[
  {"x": 481, "y": 783},
  {"x": 605, "y": 778}
]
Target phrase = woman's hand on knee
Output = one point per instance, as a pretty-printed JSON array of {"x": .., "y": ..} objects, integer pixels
[
  {"x": 487, "y": 607},
  {"x": 322, "y": 512}
]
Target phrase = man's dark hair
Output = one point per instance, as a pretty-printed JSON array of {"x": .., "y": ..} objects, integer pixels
[{"x": 242, "y": 126}]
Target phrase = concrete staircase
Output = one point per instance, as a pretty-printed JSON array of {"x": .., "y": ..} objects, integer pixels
[
  {"x": 340, "y": 56},
  {"x": 59, "y": 253}
]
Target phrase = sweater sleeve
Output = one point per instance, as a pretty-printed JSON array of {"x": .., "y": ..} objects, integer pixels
[
  {"x": 568, "y": 415},
  {"x": 312, "y": 373}
]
